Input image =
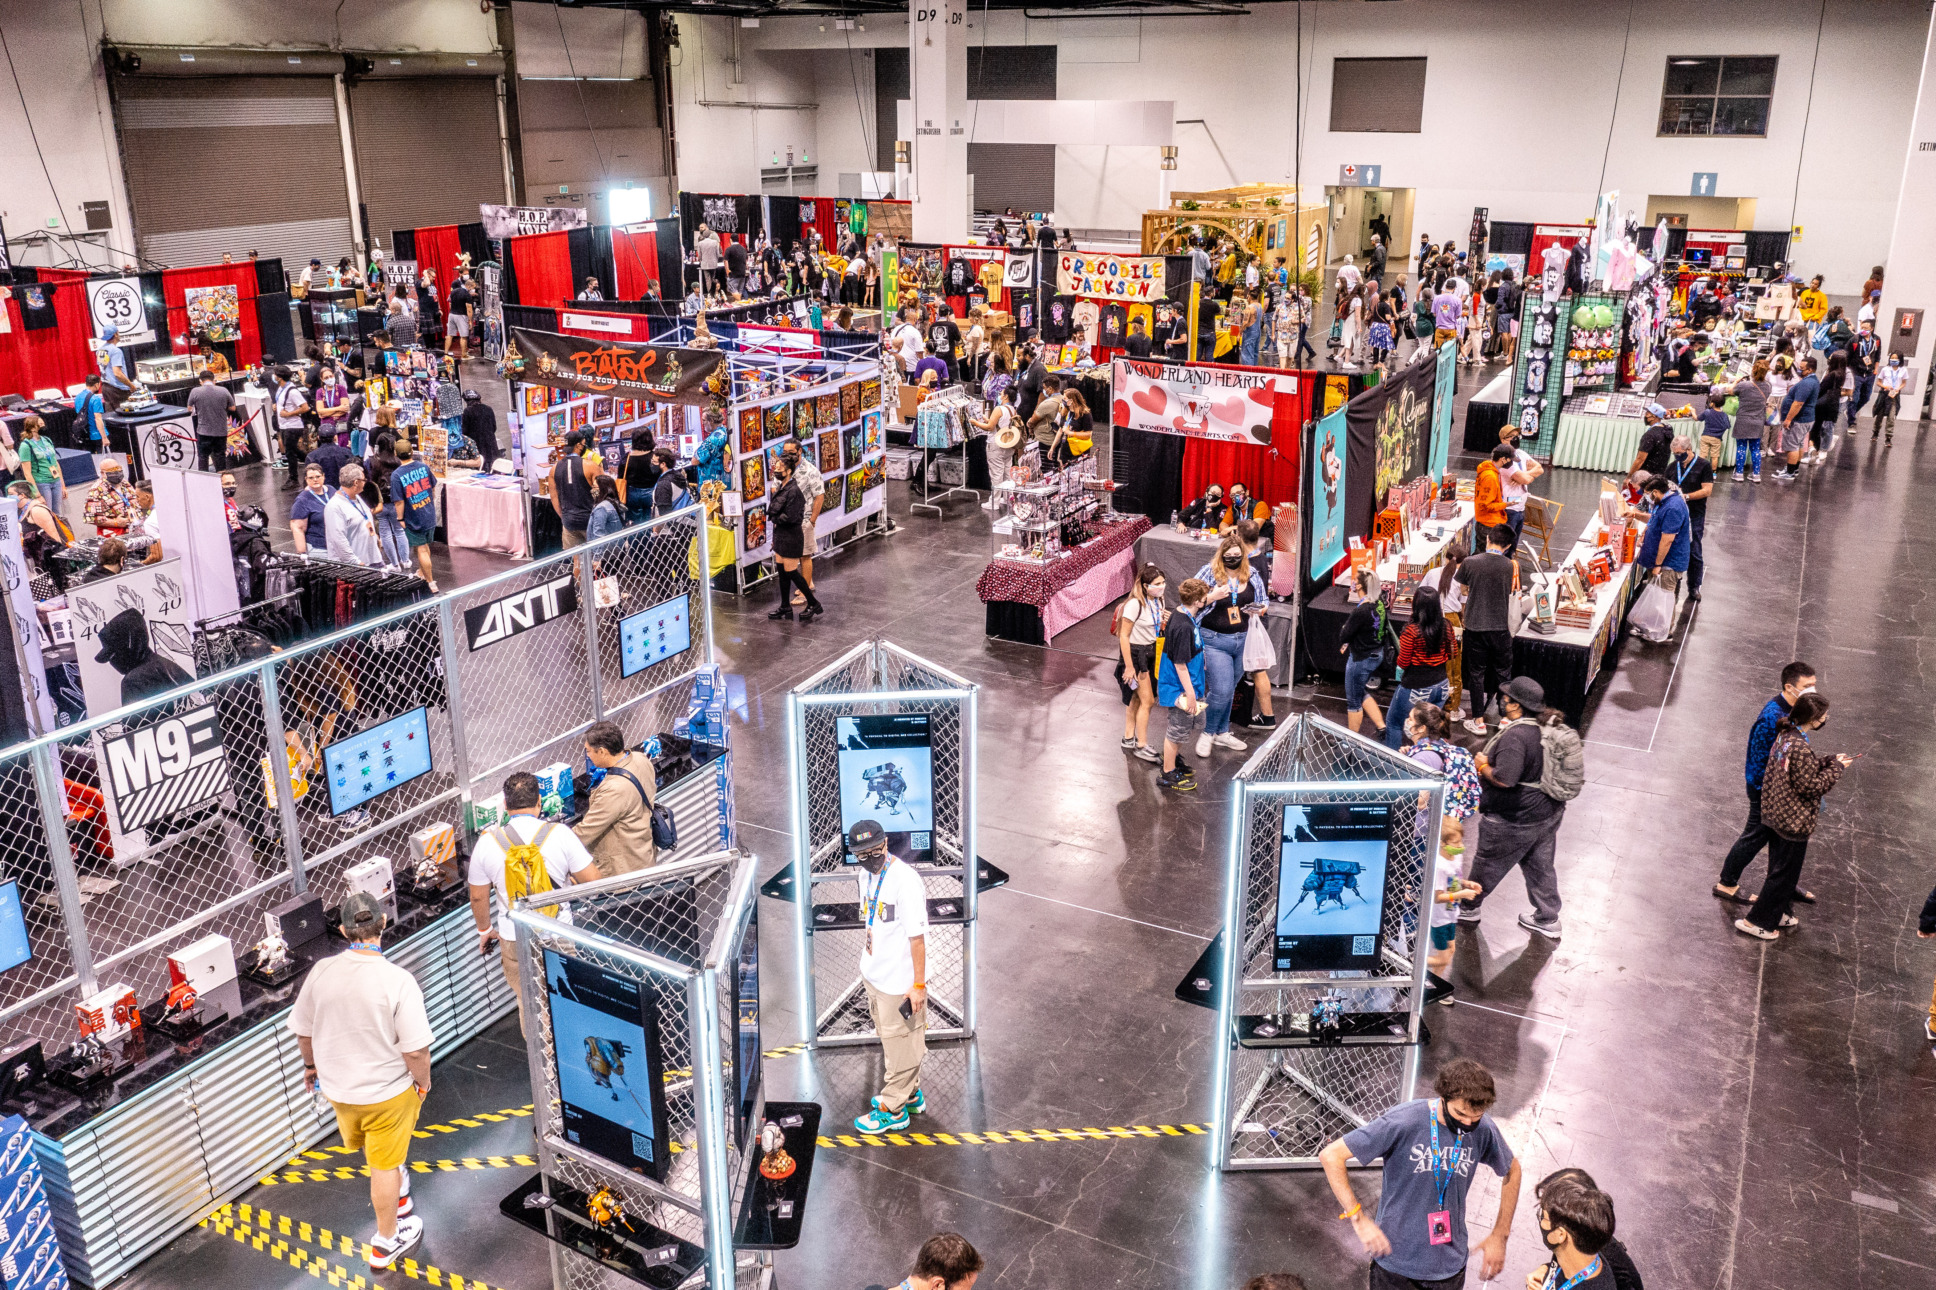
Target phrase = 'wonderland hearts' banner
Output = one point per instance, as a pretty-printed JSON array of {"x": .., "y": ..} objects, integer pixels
[
  {"x": 1227, "y": 404},
  {"x": 1109, "y": 277}
]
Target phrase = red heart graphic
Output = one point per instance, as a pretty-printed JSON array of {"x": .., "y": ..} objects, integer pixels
[
  {"x": 1177, "y": 423},
  {"x": 1122, "y": 413},
  {"x": 1152, "y": 400},
  {"x": 1265, "y": 395},
  {"x": 1231, "y": 410}
]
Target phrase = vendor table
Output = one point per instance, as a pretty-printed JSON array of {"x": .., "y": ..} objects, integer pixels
[
  {"x": 1178, "y": 555},
  {"x": 1568, "y": 660},
  {"x": 124, "y": 428},
  {"x": 252, "y": 405},
  {"x": 76, "y": 467},
  {"x": 485, "y": 516},
  {"x": 59, "y": 419},
  {"x": 1487, "y": 412},
  {"x": 1322, "y": 629},
  {"x": 1030, "y": 601},
  {"x": 1608, "y": 443}
]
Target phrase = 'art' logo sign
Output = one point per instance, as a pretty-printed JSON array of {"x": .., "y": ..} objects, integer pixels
[{"x": 520, "y": 611}]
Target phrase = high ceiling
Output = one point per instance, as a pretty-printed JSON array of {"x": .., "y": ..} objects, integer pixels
[{"x": 813, "y": 8}]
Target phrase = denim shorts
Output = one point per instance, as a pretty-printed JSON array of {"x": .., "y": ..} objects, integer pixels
[{"x": 1357, "y": 675}]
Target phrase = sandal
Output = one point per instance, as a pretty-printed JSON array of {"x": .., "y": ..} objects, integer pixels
[
  {"x": 1736, "y": 895},
  {"x": 1747, "y": 928}
]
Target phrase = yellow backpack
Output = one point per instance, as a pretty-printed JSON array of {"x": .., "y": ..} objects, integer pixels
[{"x": 524, "y": 866}]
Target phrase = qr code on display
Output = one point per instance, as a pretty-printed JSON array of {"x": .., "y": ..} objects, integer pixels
[
  {"x": 1363, "y": 945},
  {"x": 920, "y": 841}
]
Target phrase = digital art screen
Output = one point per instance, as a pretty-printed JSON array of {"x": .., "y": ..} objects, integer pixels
[
  {"x": 14, "y": 948},
  {"x": 887, "y": 775},
  {"x": 610, "y": 1091},
  {"x": 747, "y": 1050},
  {"x": 1331, "y": 885},
  {"x": 654, "y": 635},
  {"x": 374, "y": 761}
]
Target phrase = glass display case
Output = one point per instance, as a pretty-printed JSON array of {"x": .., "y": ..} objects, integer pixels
[{"x": 166, "y": 369}]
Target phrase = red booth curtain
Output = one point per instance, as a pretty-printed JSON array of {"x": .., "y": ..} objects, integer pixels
[
  {"x": 57, "y": 356},
  {"x": 174, "y": 282},
  {"x": 437, "y": 249},
  {"x": 636, "y": 258},
  {"x": 638, "y": 327},
  {"x": 825, "y": 222},
  {"x": 542, "y": 262},
  {"x": 1271, "y": 474}
]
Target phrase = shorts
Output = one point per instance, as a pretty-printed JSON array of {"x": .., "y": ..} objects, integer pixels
[
  {"x": 1443, "y": 334},
  {"x": 1442, "y": 935},
  {"x": 1357, "y": 675},
  {"x": 418, "y": 537},
  {"x": 381, "y": 1130},
  {"x": 458, "y": 326},
  {"x": 1794, "y": 437},
  {"x": 1184, "y": 726},
  {"x": 1143, "y": 658}
]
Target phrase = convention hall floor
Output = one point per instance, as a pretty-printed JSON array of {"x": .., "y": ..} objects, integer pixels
[{"x": 1758, "y": 1112}]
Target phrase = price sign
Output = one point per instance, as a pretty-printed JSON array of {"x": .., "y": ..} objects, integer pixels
[{"x": 117, "y": 303}]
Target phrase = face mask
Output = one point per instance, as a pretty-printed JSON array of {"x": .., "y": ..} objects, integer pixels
[
  {"x": 874, "y": 862},
  {"x": 228, "y": 492}
]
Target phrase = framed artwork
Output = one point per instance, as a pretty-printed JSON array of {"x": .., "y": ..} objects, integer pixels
[
  {"x": 628, "y": 409},
  {"x": 535, "y": 399},
  {"x": 752, "y": 479},
  {"x": 581, "y": 415},
  {"x": 849, "y": 402},
  {"x": 602, "y": 410},
  {"x": 803, "y": 419},
  {"x": 874, "y": 474},
  {"x": 852, "y": 445},
  {"x": 614, "y": 456},
  {"x": 856, "y": 491},
  {"x": 829, "y": 410},
  {"x": 871, "y": 435},
  {"x": 779, "y": 421},
  {"x": 555, "y": 428},
  {"x": 749, "y": 431},
  {"x": 829, "y": 452},
  {"x": 870, "y": 393},
  {"x": 559, "y": 396},
  {"x": 214, "y": 310},
  {"x": 1071, "y": 355},
  {"x": 756, "y": 534},
  {"x": 773, "y": 451}
]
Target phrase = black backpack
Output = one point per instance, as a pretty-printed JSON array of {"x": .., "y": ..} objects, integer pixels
[{"x": 665, "y": 829}]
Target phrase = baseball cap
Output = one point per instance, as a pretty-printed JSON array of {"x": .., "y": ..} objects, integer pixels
[
  {"x": 1526, "y": 692},
  {"x": 362, "y": 916},
  {"x": 865, "y": 836},
  {"x": 470, "y": 396}
]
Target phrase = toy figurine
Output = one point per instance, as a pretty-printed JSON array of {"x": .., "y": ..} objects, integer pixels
[
  {"x": 271, "y": 952},
  {"x": 775, "y": 1163}
]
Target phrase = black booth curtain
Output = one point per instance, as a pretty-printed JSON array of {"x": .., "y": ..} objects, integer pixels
[
  {"x": 582, "y": 247},
  {"x": 471, "y": 241},
  {"x": 403, "y": 243},
  {"x": 1151, "y": 468},
  {"x": 529, "y": 317},
  {"x": 737, "y": 215},
  {"x": 783, "y": 222}
]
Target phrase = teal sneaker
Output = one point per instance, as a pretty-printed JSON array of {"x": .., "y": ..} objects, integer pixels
[
  {"x": 879, "y": 1121},
  {"x": 916, "y": 1105}
]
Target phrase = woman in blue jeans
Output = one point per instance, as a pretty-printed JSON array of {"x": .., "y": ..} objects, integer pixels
[
  {"x": 1236, "y": 592},
  {"x": 1363, "y": 648},
  {"x": 1424, "y": 650}
]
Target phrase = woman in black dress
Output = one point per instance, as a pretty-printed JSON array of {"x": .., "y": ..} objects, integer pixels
[{"x": 785, "y": 512}]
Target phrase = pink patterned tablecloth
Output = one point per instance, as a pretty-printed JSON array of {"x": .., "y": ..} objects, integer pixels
[
  {"x": 484, "y": 518},
  {"x": 1092, "y": 593},
  {"x": 1037, "y": 584}
]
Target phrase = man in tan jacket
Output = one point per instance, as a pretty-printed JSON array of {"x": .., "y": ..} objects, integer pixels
[{"x": 617, "y": 828}]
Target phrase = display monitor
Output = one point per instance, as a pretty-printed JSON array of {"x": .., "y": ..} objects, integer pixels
[
  {"x": 14, "y": 948},
  {"x": 654, "y": 635},
  {"x": 887, "y": 775},
  {"x": 746, "y": 1054},
  {"x": 371, "y": 762},
  {"x": 1332, "y": 870},
  {"x": 611, "y": 1089}
]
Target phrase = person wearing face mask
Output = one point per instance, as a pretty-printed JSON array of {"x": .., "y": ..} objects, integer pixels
[
  {"x": 1139, "y": 621},
  {"x": 1429, "y": 1146},
  {"x": 1575, "y": 1224},
  {"x": 1694, "y": 477},
  {"x": 1797, "y": 679},
  {"x": 1889, "y": 386},
  {"x": 1236, "y": 595},
  {"x": 1796, "y": 780},
  {"x": 1243, "y": 507},
  {"x": 1613, "y": 1254},
  {"x": 893, "y": 970},
  {"x": 229, "y": 508},
  {"x": 1206, "y": 512}
]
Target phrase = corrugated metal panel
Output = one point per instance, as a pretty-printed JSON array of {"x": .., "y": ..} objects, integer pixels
[
  {"x": 1377, "y": 95},
  {"x": 227, "y": 164},
  {"x": 402, "y": 188},
  {"x": 1021, "y": 175}
]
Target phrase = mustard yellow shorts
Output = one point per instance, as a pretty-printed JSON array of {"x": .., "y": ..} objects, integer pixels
[{"x": 381, "y": 1130}]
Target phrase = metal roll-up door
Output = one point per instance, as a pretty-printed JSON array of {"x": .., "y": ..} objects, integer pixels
[
  {"x": 403, "y": 185},
  {"x": 1021, "y": 175},
  {"x": 233, "y": 164}
]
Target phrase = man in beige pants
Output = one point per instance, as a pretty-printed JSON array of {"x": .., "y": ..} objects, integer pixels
[{"x": 893, "y": 970}]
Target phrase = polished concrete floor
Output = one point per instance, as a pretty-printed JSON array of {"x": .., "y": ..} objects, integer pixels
[{"x": 1762, "y": 1114}]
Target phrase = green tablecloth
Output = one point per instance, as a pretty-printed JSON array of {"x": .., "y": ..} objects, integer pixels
[{"x": 1609, "y": 443}]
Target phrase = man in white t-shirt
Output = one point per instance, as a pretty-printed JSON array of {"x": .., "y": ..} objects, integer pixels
[
  {"x": 894, "y": 972},
  {"x": 359, "y": 1021},
  {"x": 907, "y": 342},
  {"x": 1515, "y": 482},
  {"x": 565, "y": 860}
]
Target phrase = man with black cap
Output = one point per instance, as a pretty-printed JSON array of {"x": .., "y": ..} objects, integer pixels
[
  {"x": 359, "y": 1021},
  {"x": 1519, "y": 823},
  {"x": 894, "y": 971},
  {"x": 480, "y": 426}
]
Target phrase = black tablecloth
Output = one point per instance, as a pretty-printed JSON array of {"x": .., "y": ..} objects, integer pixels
[
  {"x": 1561, "y": 669},
  {"x": 1483, "y": 421},
  {"x": 59, "y": 419},
  {"x": 1321, "y": 630},
  {"x": 1014, "y": 620}
]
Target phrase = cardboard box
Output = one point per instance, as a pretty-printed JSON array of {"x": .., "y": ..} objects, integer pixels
[
  {"x": 554, "y": 785},
  {"x": 108, "y": 1014},
  {"x": 437, "y": 843},
  {"x": 204, "y": 964},
  {"x": 484, "y": 812},
  {"x": 375, "y": 876}
]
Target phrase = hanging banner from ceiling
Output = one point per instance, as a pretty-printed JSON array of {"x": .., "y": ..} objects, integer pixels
[
  {"x": 516, "y": 221},
  {"x": 1112, "y": 277},
  {"x": 117, "y": 303},
  {"x": 1199, "y": 402},
  {"x": 665, "y": 373}
]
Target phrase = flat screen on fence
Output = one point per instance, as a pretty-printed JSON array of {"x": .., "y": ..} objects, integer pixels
[
  {"x": 14, "y": 947},
  {"x": 1332, "y": 867},
  {"x": 746, "y": 1055},
  {"x": 654, "y": 635},
  {"x": 371, "y": 762},
  {"x": 611, "y": 1090},
  {"x": 887, "y": 775}
]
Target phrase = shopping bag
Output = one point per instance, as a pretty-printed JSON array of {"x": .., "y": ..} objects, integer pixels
[
  {"x": 1652, "y": 615},
  {"x": 1259, "y": 654}
]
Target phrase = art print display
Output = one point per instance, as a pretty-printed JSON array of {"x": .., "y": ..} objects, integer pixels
[
  {"x": 856, "y": 491},
  {"x": 774, "y": 451},
  {"x": 662, "y": 373},
  {"x": 581, "y": 415},
  {"x": 1326, "y": 491},
  {"x": 1331, "y": 876},
  {"x": 214, "y": 311},
  {"x": 829, "y": 452},
  {"x": 555, "y": 422},
  {"x": 1444, "y": 376},
  {"x": 849, "y": 402},
  {"x": 853, "y": 444},
  {"x": 1539, "y": 371},
  {"x": 536, "y": 399},
  {"x": 602, "y": 411},
  {"x": 871, "y": 432},
  {"x": 887, "y": 775},
  {"x": 779, "y": 421},
  {"x": 752, "y": 478},
  {"x": 1403, "y": 429},
  {"x": 873, "y": 475},
  {"x": 803, "y": 417},
  {"x": 749, "y": 431},
  {"x": 611, "y": 1082},
  {"x": 626, "y": 409},
  {"x": 755, "y": 537},
  {"x": 559, "y": 396},
  {"x": 827, "y": 410},
  {"x": 870, "y": 394}
]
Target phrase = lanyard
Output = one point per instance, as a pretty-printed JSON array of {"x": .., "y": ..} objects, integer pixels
[
  {"x": 1443, "y": 1164},
  {"x": 872, "y": 905},
  {"x": 1586, "y": 1273},
  {"x": 1680, "y": 476}
]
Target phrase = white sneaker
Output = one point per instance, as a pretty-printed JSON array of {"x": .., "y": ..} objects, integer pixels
[
  {"x": 1475, "y": 725},
  {"x": 385, "y": 1255},
  {"x": 1230, "y": 741},
  {"x": 1203, "y": 745}
]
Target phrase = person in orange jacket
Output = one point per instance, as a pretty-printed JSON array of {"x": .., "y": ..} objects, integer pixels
[
  {"x": 1244, "y": 507},
  {"x": 1489, "y": 496}
]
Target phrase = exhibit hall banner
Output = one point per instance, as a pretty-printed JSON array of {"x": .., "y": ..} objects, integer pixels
[
  {"x": 122, "y": 625},
  {"x": 1327, "y": 495},
  {"x": 665, "y": 373},
  {"x": 519, "y": 221},
  {"x": 1228, "y": 404},
  {"x": 1111, "y": 277},
  {"x": 175, "y": 764},
  {"x": 117, "y": 303},
  {"x": 1442, "y": 398},
  {"x": 1388, "y": 441}
]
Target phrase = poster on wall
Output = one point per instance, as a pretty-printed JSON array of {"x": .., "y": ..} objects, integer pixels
[
  {"x": 117, "y": 303},
  {"x": 215, "y": 312},
  {"x": 401, "y": 274},
  {"x": 1393, "y": 418},
  {"x": 1222, "y": 403},
  {"x": 1326, "y": 491},
  {"x": 1442, "y": 394},
  {"x": 128, "y": 632},
  {"x": 1114, "y": 277}
]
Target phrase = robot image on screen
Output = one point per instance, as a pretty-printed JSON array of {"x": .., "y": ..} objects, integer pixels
[
  {"x": 887, "y": 774},
  {"x": 1331, "y": 885},
  {"x": 609, "y": 1090}
]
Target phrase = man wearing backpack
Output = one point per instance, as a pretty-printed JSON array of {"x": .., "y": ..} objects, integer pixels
[
  {"x": 1527, "y": 774},
  {"x": 617, "y": 828},
  {"x": 523, "y": 855}
]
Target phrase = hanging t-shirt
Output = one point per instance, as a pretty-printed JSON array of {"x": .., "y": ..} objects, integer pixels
[
  {"x": 959, "y": 276},
  {"x": 977, "y": 298},
  {"x": 1552, "y": 279},
  {"x": 36, "y": 305},
  {"x": 1083, "y": 318},
  {"x": 1115, "y": 324},
  {"x": 1145, "y": 314},
  {"x": 991, "y": 278},
  {"x": 1055, "y": 319}
]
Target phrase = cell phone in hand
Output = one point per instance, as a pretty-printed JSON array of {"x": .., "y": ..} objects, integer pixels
[{"x": 907, "y": 1009}]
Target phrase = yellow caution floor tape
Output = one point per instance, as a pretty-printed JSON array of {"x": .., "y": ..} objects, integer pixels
[
  {"x": 336, "y": 1172},
  {"x": 271, "y": 1234}
]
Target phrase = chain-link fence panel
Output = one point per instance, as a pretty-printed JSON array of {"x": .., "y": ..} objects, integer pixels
[
  {"x": 522, "y": 664},
  {"x": 30, "y": 1001},
  {"x": 1288, "y": 1103},
  {"x": 651, "y": 576}
]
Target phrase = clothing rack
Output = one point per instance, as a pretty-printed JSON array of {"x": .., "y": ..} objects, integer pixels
[
  {"x": 941, "y": 423},
  {"x": 225, "y": 639},
  {"x": 332, "y": 594}
]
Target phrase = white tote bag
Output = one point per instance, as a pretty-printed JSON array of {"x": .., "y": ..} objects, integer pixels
[
  {"x": 1259, "y": 654},
  {"x": 1652, "y": 615}
]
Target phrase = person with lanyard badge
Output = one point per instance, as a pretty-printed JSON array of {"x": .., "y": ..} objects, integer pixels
[
  {"x": 413, "y": 493},
  {"x": 292, "y": 401},
  {"x": 1619, "y": 1263},
  {"x": 570, "y": 490},
  {"x": 893, "y": 969},
  {"x": 1429, "y": 1148},
  {"x": 1665, "y": 546},
  {"x": 91, "y": 413},
  {"x": 1236, "y": 595},
  {"x": 1889, "y": 386},
  {"x": 1576, "y": 1224},
  {"x": 117, "y": 386},
  {"x": 1693, "y": 476},
  {"x": 1515, "y": 481}
]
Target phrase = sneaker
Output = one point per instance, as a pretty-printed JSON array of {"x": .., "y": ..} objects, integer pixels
[
  {"x": 1180, "y": 780},
  {"x": 1468, "y": 918},
  {"x": 1265, "y": 722},
  {"x": 879, "y": 1121},
  {"x": 1929, "y": 1033},
  {"x": 1130, "y": 744},
  {"x": 1789, "y": 920},
  {"x": 1149, "y": 754},
  {"x": 1549, "y": 930},
  {"x": 1475, "y": 725},
  {"x": 1738, "y": 476},
  {"x": 1756, "y": 477},
  {"x": 384, "y": 1255},
  {"x": 1784, "y": 477},
  {"x": 1204, "y": 742},
  {"x": 353, "y": 821},
  {"x": 916, "y": 1105},
  {"x": 1747, "y": 928},
  {"x": 1230, "y": 741}
]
